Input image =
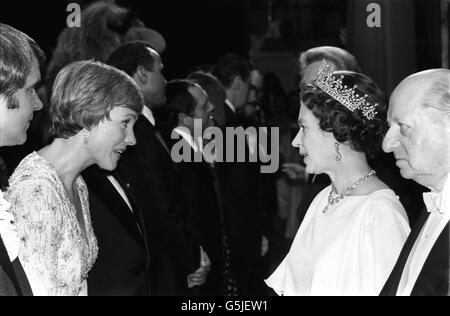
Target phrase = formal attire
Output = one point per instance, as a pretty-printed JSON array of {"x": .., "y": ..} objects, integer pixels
[
  {"x": 122, "y": 265},
  {"x": 423, "y": 266},
  {"x": 174, "y": 251},
  {"x": 199, "y": 182},
  {"x": 13, "y": 281},
  {"x": 241, "y": 193},
  {"x": 348, "y": 250},
  {"x": 56, "y": 251}
]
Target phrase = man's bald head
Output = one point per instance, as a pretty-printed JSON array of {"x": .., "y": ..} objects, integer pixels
[
  {"x": 419, "y": 132},
  {"x": 430, "y": 87}
]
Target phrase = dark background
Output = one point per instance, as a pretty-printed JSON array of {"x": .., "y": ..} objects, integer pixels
[
  {"x": 196, "y": 31},
  {"x": 200, "y": 31}
]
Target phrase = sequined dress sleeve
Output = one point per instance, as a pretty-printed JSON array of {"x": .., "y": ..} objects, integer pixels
[{"x": 53, "y": 253}]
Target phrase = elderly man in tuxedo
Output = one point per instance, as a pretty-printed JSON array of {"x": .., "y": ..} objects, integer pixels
[
  {"x": 20, "y": 58},
  {"x": 419, "y": 137}
]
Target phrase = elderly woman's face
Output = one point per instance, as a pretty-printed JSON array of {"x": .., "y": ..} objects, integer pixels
[
  {"x": 315, "y": 145},
  {"x": 110, "y": 138}
]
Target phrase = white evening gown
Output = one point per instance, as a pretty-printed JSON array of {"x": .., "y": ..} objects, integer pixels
[{"x": 349, "y": 250}]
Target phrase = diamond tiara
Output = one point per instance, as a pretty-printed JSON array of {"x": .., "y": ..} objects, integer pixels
[{"x": 342, "y": 93}]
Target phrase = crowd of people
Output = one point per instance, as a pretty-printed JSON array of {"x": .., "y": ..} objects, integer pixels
[{"x": 96, "y": 204}]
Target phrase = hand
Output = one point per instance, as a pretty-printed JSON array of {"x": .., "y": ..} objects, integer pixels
[
  {"x": 199, "y": 276},
  {"x": 295, "y": 171}
]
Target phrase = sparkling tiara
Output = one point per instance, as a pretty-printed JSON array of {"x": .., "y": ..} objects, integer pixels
[{"x": 348, "y": 97}]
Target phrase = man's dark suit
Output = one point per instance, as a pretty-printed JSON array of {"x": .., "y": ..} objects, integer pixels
[
  {"x": 241, "y": 193},
  {"x": 122, "y": 265},
  {"x": 433, "y": 279},
  {"x": 174, "y": 251},
  {"x": 13, "y": 281},
  {"x": 203, "y": 196}
]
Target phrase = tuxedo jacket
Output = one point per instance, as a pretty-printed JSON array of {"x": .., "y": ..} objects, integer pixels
[
  {"x": 174, "y": 251},
  {"x": 241, "y": 194},
  {"x": 13, "y": 281},
  {"x": 433, "y": 280},
  {"x": 200, "y": 185},
  {"x": 122, "y": 265}
]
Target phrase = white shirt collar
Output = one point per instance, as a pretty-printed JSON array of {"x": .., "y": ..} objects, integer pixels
[
  {"x": 230, "y": 105},
  {"x": 184, "y": 132},
  {"x": 438, "y": 201},
  {"x": 149, "y": 115}
]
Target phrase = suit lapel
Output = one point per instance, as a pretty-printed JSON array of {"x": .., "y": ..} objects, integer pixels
[
  {"x": 136, "y": 209},
  {"x": 8, "y": 268},
  {"x": 22, "y": 278},
  {"x": 391, "y": 286},
  {"x": 433, "y": 279},
  {"x": 216, "y": 183},
  {"x": 149, "y": 130},
  {"x": 108, "y": 194}
]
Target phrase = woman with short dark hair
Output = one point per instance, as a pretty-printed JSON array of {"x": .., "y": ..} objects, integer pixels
[
  {"x": 93, "y": 110},
  {"x": 355, "y": 228}
]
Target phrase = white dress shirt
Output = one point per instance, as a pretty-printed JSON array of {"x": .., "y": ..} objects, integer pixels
[
  {"x": 230, "y": 105},
  {"x": 183, "y": 132},
  {"x": 8, "y": 232},
  {"x": 119, "y": 189},
  {"x": 149, "y": 115},
  {"x": 438, "y": 204}
]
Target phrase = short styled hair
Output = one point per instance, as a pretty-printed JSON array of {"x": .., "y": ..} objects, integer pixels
[
  {"x": 85, "y": 92},
  {"x": 179, "y": 100},
  {"x": 363, "y": 134},
  {"x": 129, "y": 56},
  {"x": 340, "y": 58},
  {"x": 17, "y": 51},
  {"x": 229, "y": 67},
  {"x": 216, "y": 93}
]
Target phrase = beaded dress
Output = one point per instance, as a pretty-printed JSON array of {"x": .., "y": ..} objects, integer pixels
[{"x": 56, "y": 252}]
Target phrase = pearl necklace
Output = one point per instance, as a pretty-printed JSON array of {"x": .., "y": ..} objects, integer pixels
[{"x": 334, "y": 198}]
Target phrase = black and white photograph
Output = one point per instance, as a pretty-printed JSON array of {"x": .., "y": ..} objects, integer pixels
[{"x": 224, "y": 152}]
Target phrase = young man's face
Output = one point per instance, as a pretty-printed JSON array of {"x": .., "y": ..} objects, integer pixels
[{"x": 14, "y": 122}]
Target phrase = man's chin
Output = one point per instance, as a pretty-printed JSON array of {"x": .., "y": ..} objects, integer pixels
[
  {"x": 20, "y": 141},
  {"x": 406, "y": 173}
]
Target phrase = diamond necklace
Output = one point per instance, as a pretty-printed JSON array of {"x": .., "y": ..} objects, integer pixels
[{"x": 334, "y": 198}]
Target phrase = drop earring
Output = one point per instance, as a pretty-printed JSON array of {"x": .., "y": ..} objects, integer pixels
[
  {"x": 85, "y": 137},
  {"x": 338, "y": 154}
]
